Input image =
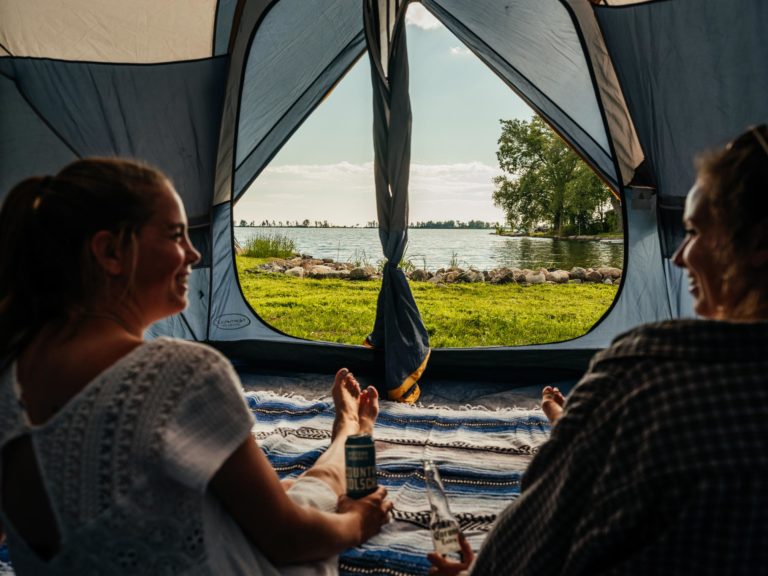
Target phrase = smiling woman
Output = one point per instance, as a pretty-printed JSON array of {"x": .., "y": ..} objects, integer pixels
[
  {"x": 725, "y": 250},
  {"x": 670, "y": 420},
  {"x": 121, "y": 455}
]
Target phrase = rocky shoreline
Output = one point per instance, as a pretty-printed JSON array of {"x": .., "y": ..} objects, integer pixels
[{"x": 305, "y": 266}]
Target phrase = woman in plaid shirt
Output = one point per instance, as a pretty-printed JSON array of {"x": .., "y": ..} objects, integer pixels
[{"x": 657, "y": 463}]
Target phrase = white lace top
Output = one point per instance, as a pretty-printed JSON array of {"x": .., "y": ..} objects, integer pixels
[{"x": 126, "y": 464}]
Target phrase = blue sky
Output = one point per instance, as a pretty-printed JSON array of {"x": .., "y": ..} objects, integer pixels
[{"x": 324, "y": 172}]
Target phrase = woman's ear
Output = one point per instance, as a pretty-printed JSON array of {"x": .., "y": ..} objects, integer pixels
[{"x": 108, "y": 253}]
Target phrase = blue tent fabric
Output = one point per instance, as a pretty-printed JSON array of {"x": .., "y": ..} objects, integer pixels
[
  {"x": 398, "y": 328},
  {"x": 687, "y": 92},
  {"x": 166, "y": 114}
]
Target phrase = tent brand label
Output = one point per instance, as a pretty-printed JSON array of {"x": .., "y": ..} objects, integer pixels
[{"x": 232, "y": 321}]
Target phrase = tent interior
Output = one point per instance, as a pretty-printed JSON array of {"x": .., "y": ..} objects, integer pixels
[{"x": 210, "y": 91}]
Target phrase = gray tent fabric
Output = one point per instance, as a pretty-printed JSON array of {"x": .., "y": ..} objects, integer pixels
[
  {"x": 694, "y": 75},
  {"x": 225, "y": 15},
  {"x": 283, "y": 81},
  {"x": 398, "y": 328},
  {"x": 166, "y": 114},
  {"x": 28, "y": 144}
]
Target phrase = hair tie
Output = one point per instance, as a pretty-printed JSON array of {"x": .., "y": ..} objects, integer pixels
[{"x": 42, "y": 188}]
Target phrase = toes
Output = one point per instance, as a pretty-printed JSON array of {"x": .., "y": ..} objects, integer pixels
[
  {"x": 369, "y": 401},
  {"x": 351, "y": 384},
  {"x": 373, "y": 395},
  {"x": 340, "y": 376}
]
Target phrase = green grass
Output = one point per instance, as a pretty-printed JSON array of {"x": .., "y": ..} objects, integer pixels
[
  {"x": 269, "y": 245},
  {"x": 457, "y": 315}
]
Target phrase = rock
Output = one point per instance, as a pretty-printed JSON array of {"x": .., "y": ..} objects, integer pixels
[
  {"x": 306, "y": 257},
  {"x": 578, "y": 273},
  {"x": 575, "y": 281},
  {"x": 470, "y": 276},
  {"x": 320, "y": 271},
  {"x": 535, "y": 278},
  {"x": 438, "y": 278},
  {"x": 559, "y": 277},
  {"x": 610, "y": 272},
  {"x": 309, "y": 262},
  {"x": 272, "y": 268},
  {"x": 420, "y": 275},
  {"x": 451, "y": 277},
  {"x": 327, "y": 260},
  {"x": 295, "y": 261},
  {"x": 359, "y": 273},
  {"x": 296, "y": 272},
  {"x": 593, "y": 276},
  {"x": 505, "y": 277},
  {"x": 608, "y": 281},
  {"x": 342, "y": 274},
  {"x": 519, "y": 275}
]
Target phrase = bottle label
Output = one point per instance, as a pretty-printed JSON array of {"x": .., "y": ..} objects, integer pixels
[{"x": 445, "y": 536}]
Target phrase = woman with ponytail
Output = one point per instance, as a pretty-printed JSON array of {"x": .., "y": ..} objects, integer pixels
[{"x": 124, "y": 456}]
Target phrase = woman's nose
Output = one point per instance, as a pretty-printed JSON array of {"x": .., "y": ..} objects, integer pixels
[
  {"x": 193, "y": 256},
  {"x": 677, "y": 257}
]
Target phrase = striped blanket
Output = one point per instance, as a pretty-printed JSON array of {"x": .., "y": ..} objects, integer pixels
[{"x": 481, "y": 455}]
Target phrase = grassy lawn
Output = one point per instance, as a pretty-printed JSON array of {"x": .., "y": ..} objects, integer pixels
[{"x": 457, "y": 315}]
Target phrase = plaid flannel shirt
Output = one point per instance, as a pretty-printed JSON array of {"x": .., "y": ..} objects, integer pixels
[{"x": 658, "y": 465}]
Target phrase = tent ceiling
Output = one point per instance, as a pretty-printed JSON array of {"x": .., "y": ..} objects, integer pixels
[{"x": 139, "y": 31}]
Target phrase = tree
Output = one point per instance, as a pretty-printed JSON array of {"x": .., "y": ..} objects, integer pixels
[{"x": 544, "y": 181}]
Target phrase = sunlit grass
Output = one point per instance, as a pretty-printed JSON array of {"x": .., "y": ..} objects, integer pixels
[
  {"x": 269, "y": 245},
  {"x": 456, "y": 315}
]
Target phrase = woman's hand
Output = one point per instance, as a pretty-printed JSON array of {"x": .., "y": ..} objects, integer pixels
[
  {"x": 372, "y": 511},
  {"x": 442, "y": 566}
]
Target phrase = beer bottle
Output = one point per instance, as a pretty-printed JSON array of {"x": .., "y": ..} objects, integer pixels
[{"x": 443, "y": 526}]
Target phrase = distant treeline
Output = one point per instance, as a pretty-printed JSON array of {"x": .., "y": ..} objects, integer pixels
[{"x": 474, "y": 224}]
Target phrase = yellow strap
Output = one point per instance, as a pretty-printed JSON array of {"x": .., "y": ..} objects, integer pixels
[{"x": 409, "y": 385}]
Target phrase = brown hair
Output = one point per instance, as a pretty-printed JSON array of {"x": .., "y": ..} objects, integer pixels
[
  {"x": 735, "y": 183},
  {"x": 47, "y": 272}
]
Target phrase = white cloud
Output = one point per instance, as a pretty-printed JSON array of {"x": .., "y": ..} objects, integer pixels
[
  {"x": 422, "y": 18},
  {"x": 460, "y": 51}
]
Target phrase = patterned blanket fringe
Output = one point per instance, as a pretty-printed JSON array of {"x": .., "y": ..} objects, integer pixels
[{"x": 417, "y": 405}]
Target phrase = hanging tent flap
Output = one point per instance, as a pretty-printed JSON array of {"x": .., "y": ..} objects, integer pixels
[{"x": 398, "y": 327}]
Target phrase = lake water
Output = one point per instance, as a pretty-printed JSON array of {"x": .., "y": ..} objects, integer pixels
[{"x": 433, "y": 249}]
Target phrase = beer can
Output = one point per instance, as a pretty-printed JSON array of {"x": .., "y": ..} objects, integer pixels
[{"x": 360, "y": 457}]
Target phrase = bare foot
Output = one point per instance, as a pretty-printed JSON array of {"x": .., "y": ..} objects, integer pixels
[
  {"x": 369, "y": 409},
  {"x": 552, "y": 401},
  {"x": 346, "y": 402}
]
